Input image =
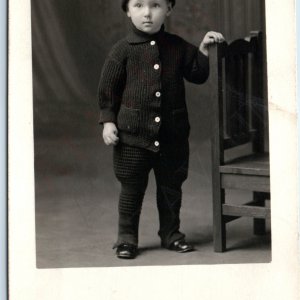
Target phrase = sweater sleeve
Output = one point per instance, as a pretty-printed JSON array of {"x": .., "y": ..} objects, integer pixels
[
  {"x": 196, "y": 64},
  {"x": 110, "y": 90}
]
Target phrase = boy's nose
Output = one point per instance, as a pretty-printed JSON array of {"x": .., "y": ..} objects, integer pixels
[{"x": 147, "y": 12}]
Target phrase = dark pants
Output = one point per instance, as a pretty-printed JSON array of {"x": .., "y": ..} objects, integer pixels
[{"x": 132, "y": 166}]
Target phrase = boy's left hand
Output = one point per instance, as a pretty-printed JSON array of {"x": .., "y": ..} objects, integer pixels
[{"x": 210, "y": 38}]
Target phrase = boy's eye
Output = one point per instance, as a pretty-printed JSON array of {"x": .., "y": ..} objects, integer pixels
[
  {"x": 138, "y": 5},
  {"x": 156, "y": 5}
]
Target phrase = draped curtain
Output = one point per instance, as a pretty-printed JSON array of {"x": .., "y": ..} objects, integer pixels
[{"x": 71, "y": 38}]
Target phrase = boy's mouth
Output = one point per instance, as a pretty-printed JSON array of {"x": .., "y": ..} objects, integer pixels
[{"x": 147, "y": 23}]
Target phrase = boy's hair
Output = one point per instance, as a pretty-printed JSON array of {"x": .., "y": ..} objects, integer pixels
[{"x": 125, "y": 2}]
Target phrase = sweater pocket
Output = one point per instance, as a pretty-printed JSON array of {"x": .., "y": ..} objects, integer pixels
[{"x": 128, "y": 119}]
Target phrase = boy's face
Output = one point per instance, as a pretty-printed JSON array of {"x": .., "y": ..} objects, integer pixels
[{"x": 148, "y": 15}]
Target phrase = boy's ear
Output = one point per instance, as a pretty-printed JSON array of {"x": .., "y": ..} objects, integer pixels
[
  {"x": 128, "y": 13},
  {"x": 170, "y": 8}
]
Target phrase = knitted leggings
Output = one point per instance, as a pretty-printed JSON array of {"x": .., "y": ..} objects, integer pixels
[{"x": 132, "y": 166}]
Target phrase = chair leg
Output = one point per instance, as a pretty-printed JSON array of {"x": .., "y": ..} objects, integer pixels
[
  {"x": 219, "y": 222},
  {"x": 220, "y": 237},
  {"x": 259, "y": 225}
]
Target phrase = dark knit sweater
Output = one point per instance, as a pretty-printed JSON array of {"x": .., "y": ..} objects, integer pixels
[{"x": 142, "y": 90}]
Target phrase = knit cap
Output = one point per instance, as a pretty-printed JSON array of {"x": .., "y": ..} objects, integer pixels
[{"x": 125, "y": 2}]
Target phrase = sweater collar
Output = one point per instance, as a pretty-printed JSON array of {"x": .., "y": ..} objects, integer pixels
[{"x": 137, "y": 36}]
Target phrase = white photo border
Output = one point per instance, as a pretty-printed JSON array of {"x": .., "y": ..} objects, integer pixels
[{"x": 276, "y": 280}]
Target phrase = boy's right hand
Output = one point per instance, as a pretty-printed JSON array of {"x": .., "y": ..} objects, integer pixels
[{"x": 110, "y": 134}]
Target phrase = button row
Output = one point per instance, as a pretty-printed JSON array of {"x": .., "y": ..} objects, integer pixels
[
  {"x": 156, "y": 66},
  {"x": 157, "y": 94}
]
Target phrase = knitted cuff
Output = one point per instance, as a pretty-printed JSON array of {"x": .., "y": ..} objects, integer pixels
[{"x": 106, "y": 115}]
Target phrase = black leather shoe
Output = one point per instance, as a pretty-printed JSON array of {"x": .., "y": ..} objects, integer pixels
[
  {"x": 181, "y": 246},
  {"x": 128, "y": 251}
]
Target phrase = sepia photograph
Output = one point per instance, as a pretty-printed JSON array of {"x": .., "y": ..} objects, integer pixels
[
  {"x": 105, "y": 117},
  {"x": 152, "y": 139}
]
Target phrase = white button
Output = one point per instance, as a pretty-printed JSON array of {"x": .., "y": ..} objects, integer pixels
[
  {"x": 156, "y": 143},
  {"x": 157, "y": 119},
  {"x": 157, "y": 94},
  {"x": 156, "y": 66},
  {"x": 152, "y": 43}
]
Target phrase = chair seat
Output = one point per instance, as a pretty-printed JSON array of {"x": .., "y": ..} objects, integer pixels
[{"x": 256, "y": 164}]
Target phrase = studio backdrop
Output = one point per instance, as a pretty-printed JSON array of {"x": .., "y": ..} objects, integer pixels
[{"x": 70, "y": 41}]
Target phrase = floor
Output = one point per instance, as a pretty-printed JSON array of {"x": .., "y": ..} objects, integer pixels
[{"x": 76, "y": 212}]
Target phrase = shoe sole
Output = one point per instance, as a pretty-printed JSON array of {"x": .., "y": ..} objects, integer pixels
[
  {"x": 185, "y": 251},
  {"x": 190, "y": 249},
  {"x": 126, "y": 257}
]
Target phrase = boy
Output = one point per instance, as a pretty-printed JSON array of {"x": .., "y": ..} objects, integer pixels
[{"x": 142, "y": 106}]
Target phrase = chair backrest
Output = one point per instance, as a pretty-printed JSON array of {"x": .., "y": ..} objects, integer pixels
[{"x": 237, "y": 93}]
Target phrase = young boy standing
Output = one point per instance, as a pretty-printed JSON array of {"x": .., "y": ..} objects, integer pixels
[{"x": 143, "y": 109}]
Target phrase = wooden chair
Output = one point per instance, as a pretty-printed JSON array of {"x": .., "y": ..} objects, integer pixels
[{"x": 240, "y": 160}]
